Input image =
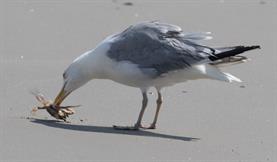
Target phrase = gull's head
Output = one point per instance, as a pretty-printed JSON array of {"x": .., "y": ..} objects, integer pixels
[
  {"x": 75, "y": 76},
  {"x": 84, "y": 68}
]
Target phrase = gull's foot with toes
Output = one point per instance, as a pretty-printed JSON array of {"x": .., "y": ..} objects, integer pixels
[{"x": 132, "y": 128}]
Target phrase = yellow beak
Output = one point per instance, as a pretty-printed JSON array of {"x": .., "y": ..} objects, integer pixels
[{"x": 61, "y": 96}]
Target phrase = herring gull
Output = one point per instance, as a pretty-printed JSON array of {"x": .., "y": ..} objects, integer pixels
[{"x": 147, "y": 54}]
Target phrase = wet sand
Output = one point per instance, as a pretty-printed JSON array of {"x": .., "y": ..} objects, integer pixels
[{"x": 200, "y": 121}]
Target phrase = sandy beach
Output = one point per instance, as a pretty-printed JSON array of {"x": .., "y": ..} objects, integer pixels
[{"x": 203, "y": 120}]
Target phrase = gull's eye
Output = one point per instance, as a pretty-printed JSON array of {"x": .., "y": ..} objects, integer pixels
[{"x": 64, "y": 75}]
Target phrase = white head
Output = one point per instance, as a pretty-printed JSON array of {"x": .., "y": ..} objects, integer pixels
[
  {"x": 84, "y": 68},
  {"x": 76, "y": 75},
  {"x": 73, "y": 78}
]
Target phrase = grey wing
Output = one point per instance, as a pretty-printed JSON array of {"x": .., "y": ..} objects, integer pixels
[{"x": 158, "y": 48}]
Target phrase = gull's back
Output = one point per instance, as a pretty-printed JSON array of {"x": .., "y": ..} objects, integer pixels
[{"x": 158, "y": 48}]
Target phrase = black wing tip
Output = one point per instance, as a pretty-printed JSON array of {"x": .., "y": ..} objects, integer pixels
[
  {"x": 237, "y": 50},
  {"x": 253, "y": 47}
]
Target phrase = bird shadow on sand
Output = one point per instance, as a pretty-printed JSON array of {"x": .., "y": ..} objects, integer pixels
[{"x": 109, "y": 130}]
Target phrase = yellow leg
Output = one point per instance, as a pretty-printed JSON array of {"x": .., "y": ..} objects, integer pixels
[
  {"x": 138, "y": 123},
  {"x": 159, "y": 104}
]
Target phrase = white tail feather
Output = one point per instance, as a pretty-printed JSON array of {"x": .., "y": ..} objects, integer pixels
[
  {"x": 213, "y": 72},
  {"x": 232, "y": 78}
]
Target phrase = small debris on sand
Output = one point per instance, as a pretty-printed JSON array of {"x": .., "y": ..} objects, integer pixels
[
  {"x": 128, "y": 4},
  {"x": 242, "y": 86},
  {"x": 262, "y": 2},
  {"x": 24, "y": 117}
]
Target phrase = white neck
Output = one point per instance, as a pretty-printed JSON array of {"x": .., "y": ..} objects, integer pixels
[{"x": 95, "y": 63}]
